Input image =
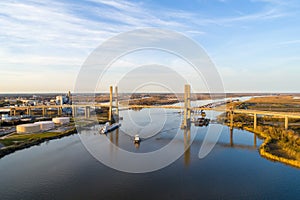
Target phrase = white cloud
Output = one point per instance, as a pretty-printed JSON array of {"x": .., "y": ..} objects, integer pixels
[{"x": 55, "y": 33}]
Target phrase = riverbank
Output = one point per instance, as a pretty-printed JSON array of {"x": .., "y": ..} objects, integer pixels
[
  {"x": 14, "y": 142},
  {"x": 274, "y": 149},
  {"x": 279, "y": 144},
  {"x": 17, "y": 142}
]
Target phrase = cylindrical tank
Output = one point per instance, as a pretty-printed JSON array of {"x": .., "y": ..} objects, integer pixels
[
  {"x": 61, "y": 120},
  {"x": 45, "y": 125},
  {"x": 28, "y": 128}
]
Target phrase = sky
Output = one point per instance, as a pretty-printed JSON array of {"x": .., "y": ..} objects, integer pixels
[{"x": 254, "y": 44}]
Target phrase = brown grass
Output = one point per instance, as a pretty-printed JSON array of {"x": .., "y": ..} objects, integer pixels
[{"x": 275, "y": 100}]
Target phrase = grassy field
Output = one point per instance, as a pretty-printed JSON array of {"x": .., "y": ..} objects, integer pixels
[
  {"x": 16, "y": 138},
  {"x": 15, "y": 141},
  {"x": 281, "y": 103}
]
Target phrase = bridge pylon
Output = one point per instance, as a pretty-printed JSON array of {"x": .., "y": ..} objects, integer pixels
[{"x": 187, "y": 106}]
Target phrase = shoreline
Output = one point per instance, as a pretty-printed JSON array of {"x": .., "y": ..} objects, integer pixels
[
  {"x": 265, "y": 149},
  {"x": 279, "y": 144},
  {"x": 29, "y": 143},
  {"x": 27, "y": 140}
]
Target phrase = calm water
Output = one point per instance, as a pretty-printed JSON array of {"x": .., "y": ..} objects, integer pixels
[{"x": 64, "y": 169}]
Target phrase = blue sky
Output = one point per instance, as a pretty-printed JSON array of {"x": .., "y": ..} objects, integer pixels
[{"x": 255, "y": 44}]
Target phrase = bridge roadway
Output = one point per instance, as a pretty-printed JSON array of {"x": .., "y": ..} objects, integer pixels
[
  {"x": 220, "y": 109},
  {"x": 186, "y": 108}
]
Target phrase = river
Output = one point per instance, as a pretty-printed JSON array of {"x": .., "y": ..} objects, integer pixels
[{"x": 64, "y": 168}]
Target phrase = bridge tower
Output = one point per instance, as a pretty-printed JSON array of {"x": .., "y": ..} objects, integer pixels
[
  {"x": 187, "y": 105},
  {"x": 116, "y": 103},
  {"x": 110, "y": 103}
]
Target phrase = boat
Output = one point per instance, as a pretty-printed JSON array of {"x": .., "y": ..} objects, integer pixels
[
  {"x": 107, "y": 127},
  {"x": 202, "y": 122},
  {"x": 137, "y": 139},
  {"x": 203, "y": 114}
]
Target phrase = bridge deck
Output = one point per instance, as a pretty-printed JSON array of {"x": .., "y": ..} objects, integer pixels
[{"x": 220, "y": 109}]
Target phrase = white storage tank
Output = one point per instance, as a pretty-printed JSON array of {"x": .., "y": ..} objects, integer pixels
[
  {"x": 45, "y": 125},
  {"x": 28, "y": 128},
  {"x": 61, "y": 120}
]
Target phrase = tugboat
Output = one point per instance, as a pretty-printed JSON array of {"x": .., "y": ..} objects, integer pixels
[
  {"x": 136, "y": 139},
  {"x": 107, "y": 128}
]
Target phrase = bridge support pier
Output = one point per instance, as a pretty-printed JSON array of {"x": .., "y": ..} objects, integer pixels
[
  {"x": 28, "y": 111},
  {"x": 254, "y": 121},
  {"x": 231, "y": 119},
  {"x": 59, "y": 111},
  {"x": 74, "y": 111},
  {"x": 44, "y": 111},
  {"x": 87, "y": 112},
  {"x": 286, "y": 122},
  {"x": 12, "y": 112}
]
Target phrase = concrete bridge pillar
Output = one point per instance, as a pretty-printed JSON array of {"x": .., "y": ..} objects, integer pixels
[
  {"x": 187, "y": 105},
  {"x": 87, "y": 112},
  {"x": 286, "y": 122},
  {"x": 255, "y": 121},
  {"x": 28, "y": 111},
  {"x": 117, "y": 103},
  {"x": 189, "y": 102},
  {"x": 231, "y": 119},
  {"x": 59, "y": 111},
  {"x": 110, "y": 103},
  {"x": 44, "y": 111},
  {"x": 74, "y": 111}
]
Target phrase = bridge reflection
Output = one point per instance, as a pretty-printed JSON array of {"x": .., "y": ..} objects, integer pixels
[
  {"x": 187, "y": 144},
  {"x": 114, "y": 137},
  {"x": 240, "y": 146}
]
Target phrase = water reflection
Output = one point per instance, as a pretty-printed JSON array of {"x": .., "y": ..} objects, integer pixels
[
  {"x": 231, "y": 137},
  {"x": 187, "y": 144},
  {"x": 233, "y": 145},
  {"x": 137, "y": 145},
  {"x": 232, "y": 140},
  {"x": 114, "y": 137}
]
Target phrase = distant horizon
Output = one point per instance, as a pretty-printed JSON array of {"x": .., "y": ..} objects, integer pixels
[{"x": 33, "y": 93}]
